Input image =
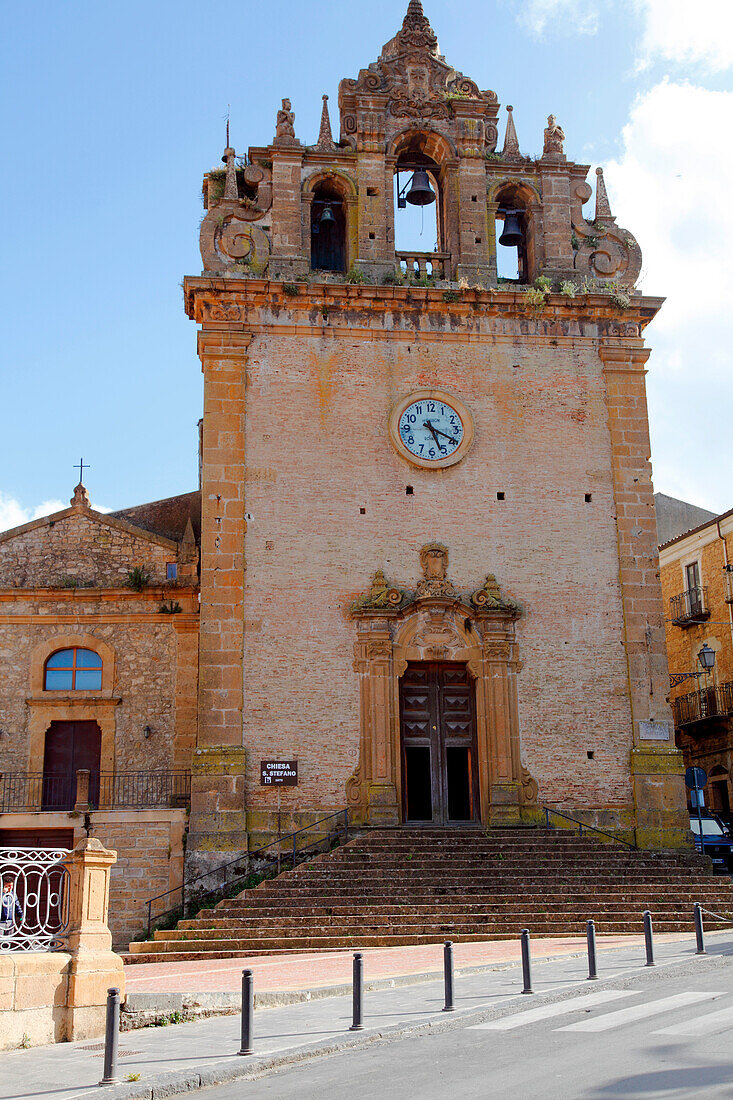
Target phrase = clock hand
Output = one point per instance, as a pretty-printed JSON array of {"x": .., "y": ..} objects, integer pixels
[
  {"x": 450, "y": 437},
  {"x": 428, "y": 424}
]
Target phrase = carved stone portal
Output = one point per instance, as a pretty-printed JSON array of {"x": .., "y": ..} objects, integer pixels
[{"x": 436, "y": 622}]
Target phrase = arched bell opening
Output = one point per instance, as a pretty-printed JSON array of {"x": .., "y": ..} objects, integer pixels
[
  {"x": 419, "y": 214},
  {"x": 328, "y": 228},
  {"x": 514, "y": 237}
]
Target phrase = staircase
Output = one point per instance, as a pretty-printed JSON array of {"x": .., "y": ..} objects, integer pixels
[{"x": 411, "y": 886}]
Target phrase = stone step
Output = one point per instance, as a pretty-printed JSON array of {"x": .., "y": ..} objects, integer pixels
[{"x": 397, "y": 887}]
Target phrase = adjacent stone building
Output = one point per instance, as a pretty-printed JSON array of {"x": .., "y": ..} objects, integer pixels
[
  {"x": 697, "y": 567},
  {"x": 98, "y": 657}
]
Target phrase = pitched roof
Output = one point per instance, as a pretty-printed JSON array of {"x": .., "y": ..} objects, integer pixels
[
  {"x": 676, "y": 518},
  {"x": 166, "y": 517}
]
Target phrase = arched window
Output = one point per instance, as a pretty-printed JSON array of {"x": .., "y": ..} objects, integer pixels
[
  {"x": 73, "y": 670},
  {"x": 328, "y": 229},
  {"x": 513, "y": 240}
]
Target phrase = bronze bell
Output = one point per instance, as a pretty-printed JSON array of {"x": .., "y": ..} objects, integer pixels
[
  {"x": 327, "y": 217},
  {"x": 511, "y": 235},
  {"x": 420, "y": 193}
]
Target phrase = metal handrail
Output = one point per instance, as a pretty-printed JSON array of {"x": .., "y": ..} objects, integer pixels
[
  {"x": 589, "y": 828},
  {"x": 690, "y": 604},
  {"x": 342, "y": 815}
]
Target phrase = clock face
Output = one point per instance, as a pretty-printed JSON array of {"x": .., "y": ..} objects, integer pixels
[{"x": 431, "y": 429}]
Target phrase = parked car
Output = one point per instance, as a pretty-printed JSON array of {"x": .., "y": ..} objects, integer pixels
[{"x": 716, "y": 840}]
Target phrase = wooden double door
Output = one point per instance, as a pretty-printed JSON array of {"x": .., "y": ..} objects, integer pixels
[
  {"x": 70, "y": 747},
  {"x": 438, "y": 741}
]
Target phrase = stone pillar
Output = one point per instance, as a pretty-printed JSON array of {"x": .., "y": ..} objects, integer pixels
[
  {"x": 81, "y": 802},
  {"x": 217, "y": 804},
  {"x": 94, "y": 968},
  {"x": 556, "y": 220},
  {"x": 473, "y": 262},
  {"x": 655, "y": 763},
  {"x": 287, "y": 257}
]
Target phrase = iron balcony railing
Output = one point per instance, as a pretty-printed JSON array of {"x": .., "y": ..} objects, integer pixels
[
  {"x": 34, "y": 899},
  {"x": 700, "y": 706},
  {"x": 690, "y": 606},
  {"x": 23, "y": 792}
]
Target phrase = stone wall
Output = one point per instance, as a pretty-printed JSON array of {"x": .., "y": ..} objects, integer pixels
[
  {"x": 145, "y": 646},
  {"x": 77, "y": 547}
]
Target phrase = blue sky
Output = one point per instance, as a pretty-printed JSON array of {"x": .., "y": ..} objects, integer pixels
[{"x": 110, "y": 114}]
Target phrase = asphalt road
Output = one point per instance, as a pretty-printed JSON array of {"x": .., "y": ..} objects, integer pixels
[{"x": 659, "y": 1035}]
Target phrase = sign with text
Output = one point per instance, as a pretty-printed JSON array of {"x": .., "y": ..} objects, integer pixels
[{"x": 278, "y": 773}]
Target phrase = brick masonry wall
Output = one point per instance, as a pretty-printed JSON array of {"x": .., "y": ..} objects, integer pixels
[
  {"x": 318, "y": 451},
  {"x": 77, "y": 547}
]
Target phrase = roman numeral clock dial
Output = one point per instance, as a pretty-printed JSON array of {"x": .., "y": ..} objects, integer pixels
[{"x": 431, "y": 429}]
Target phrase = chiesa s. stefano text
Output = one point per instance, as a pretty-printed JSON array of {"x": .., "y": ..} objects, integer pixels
[{"x": 428, "y": 567}]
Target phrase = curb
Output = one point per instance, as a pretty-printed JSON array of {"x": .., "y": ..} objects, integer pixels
[{"x": 234, "y": 1068}]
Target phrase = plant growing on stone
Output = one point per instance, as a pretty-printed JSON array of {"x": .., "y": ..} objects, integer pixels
[
  {"x": 170, "y": 608},
  {"x": 574, "y": 242},
  {"x": 357, "y": 277},
  {"x": 543, "y": 283},
  {"x": 567, "y": 288},
  {"x": 291, "y": 289},
  {"x": 534, "y": 300},
  {"x": 451, "y": 296},
  {"x": 137, "y": 578},
  {"x": 132, "y": 1077}
]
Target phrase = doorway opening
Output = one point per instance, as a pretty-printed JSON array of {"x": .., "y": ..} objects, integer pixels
[
  {"x": 70, "y": 747},
  {"x": 438, "y": 741}
]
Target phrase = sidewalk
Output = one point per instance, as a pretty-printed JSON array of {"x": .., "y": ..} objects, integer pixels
[
  {"x": 190, "y": 1056},
  {"x": 200, "y": 987}
]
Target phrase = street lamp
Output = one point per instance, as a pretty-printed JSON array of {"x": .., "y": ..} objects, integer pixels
[{"x": 706, "y": 657}]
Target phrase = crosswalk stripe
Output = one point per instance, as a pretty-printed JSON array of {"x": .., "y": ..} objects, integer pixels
[
  {"x": 560, "y": 1008},
  {"x": 638, "y": 1012},
  {"x": 701, "y": 1025}
]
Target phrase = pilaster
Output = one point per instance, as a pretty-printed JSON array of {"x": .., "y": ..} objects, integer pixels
[{"x": 656, "y": 765}]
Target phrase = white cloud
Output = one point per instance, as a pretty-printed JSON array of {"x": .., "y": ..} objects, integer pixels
[
  {"x": 14, "y": 514},
  {"x": 669, "y": 189},
  {"x": 675, "y": 31},
  {"x": 539, "y": 16}
]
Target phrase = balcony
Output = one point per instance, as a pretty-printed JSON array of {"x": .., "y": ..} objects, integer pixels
[
  {"x": 690, "y": 607},
  {"x": 424, "y": 265},
  {"x": 704, "y": 705},
  {"x": 31, "y": 792}
]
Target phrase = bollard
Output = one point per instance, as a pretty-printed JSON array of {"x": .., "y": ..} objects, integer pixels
[
  {"x": 648, "y": 938},
  {"x": 358, "y": 995},
  {"x": 590, "y": 934},
  {"x": 526, "y": 962},
  {"x": 111, "y": 1038},
  {"x": 248, "y": 1011},
  {"x": 448, "y": 976},
  {"x": 699, "y": 933}
]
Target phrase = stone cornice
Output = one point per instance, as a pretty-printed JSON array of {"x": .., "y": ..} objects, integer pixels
[
  {"x": 154, "y": 594},
  {"x": 227, "y": 304}
]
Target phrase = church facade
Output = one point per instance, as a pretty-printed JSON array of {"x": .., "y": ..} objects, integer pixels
[
  {"x": 429, "y": 564},
  {"x": 429, "y": 582}
]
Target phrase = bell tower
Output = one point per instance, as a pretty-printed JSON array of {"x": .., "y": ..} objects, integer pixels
[{"x": 362, "y": 406}]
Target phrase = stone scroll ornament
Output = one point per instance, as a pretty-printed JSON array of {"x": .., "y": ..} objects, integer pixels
[
  {"x": 230, "y": 239},
  {"x": 602, "y": 249}
]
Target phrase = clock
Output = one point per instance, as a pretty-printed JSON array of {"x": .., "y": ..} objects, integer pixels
[{"x": 431, "y": 428}]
